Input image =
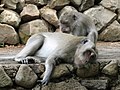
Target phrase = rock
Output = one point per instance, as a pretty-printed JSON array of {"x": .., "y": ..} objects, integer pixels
[
  {"x": 76, "y": 2},
  {"x": 111, "y": 4},
  {"x": 111, "y": 33},
  {"x": 37, "y": 2},
  {"x": 66, "y": 9},
  {"x": 25, "y": 77},
  {"x": 13, "y": 4},
  {"x": 11, "y": 69},
  {"x": 32, "y": 27},
  {"x": 1, "y": 5},
  {"x": 10, "y": 17},
  {"x": 111, "y": 68},
  {"x": 103, "y": 62},
  {"x": 49, "y": 15},
  {"x": 118, "y": 11},
  {"x": 29, "y": 12},
  {"x": 95, "y": 84},
  {"x": 119, "y": 18},
  {"x": 8, "y": 34},
  {"x": 19, "y": 88},
  {"x": 62, "y": 70},
  {"x": 70, "y": 84},
  {"x": 117, "y": 87},
  {"x": 5, "y": 80},
  {"x": 58, "y": 4},
  {"x": 37, "y": 87},
  {"x": 88, "y": 70},
  {"x": 118, "y": 15},
  {"x": 38, "y": 68},
  {"x": 1, "y": 10},
  {"x": 101, "y": 17},
  {"x": 86, "y": 4}
]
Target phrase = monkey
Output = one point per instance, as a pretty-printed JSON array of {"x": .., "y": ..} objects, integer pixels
[
  {"x": 79, "y": 24},
  {"x": 52, "y": 48}
]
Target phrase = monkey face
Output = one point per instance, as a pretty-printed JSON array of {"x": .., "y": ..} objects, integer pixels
[
  {"x": 85, "y": 53},
  {"x": 66, "y": 21},
  {"x": 65, "y": 28},
  {"x": 64, "y": 25}
]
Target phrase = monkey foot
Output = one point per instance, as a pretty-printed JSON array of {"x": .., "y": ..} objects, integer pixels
[
  {"x": 25, "y": 60},
  {"x": 43, "y": 82}
]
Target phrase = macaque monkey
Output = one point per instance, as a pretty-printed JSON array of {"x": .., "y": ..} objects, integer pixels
[
  {"x": 78, "y": 24},
  {"x": 57, "y": 47}
]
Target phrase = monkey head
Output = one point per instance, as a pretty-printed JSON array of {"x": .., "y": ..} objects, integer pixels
[
  {"x": 66, "y": 21},
  {"x": 85, "y": 53}
]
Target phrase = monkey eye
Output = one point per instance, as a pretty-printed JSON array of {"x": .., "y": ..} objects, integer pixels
[{"x": 84, "y": 41}]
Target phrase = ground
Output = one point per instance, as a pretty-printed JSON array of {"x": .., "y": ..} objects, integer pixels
[
  {"x": 10, "y": 50},
  {"x": 106, "y": 50}
]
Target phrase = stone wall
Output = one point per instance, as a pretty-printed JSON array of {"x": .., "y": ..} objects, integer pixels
[
  {"x": 102, "y": 75},
  {"x": 19, "y": 19}
]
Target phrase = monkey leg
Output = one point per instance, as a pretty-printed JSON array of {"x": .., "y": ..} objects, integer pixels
[{"x": 32, "y": 45}]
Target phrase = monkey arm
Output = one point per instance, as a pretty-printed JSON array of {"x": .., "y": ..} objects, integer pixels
[
  {"x": 49, "y": 65},
  {"x": 93, "y": 36}
]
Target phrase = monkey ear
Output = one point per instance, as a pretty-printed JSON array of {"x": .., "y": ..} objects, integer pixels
[{"x": 74, "y": 17}]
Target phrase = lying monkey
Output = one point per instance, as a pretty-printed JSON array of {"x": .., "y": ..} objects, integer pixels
[{"x": 55, "y": 47}]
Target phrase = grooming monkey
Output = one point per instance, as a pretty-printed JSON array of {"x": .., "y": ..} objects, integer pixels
[
  {"x": 57, "y": 47},
  {"x": 78, "y": 24}
]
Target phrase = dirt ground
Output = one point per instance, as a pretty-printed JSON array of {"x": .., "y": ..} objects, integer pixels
[
  {"x": 10, "y": 50},
  {"x": 106, "y": 50}
]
